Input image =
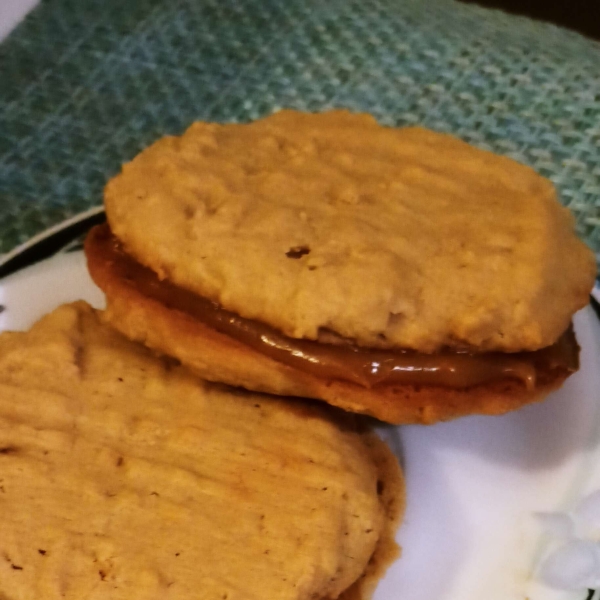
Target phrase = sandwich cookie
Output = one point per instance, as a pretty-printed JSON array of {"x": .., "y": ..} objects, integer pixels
[{"x": 396, "y": 272}]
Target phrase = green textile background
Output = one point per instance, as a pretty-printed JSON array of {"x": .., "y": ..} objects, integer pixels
[{"x": 86, "y": 84}]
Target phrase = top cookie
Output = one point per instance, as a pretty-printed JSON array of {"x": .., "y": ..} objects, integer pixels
[{"x": 319, "y": 223}]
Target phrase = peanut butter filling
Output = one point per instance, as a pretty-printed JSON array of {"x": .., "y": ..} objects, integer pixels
[{"x": 348, "y": 362}]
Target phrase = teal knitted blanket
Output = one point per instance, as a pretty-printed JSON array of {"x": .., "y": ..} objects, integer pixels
[{"x": 86, "y": 84}]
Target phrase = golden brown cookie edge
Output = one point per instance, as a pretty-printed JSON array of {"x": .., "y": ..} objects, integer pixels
[{"x": 217, "y": 357}]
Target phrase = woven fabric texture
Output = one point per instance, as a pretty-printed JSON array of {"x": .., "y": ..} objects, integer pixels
[{"x": 86, "y": 84}]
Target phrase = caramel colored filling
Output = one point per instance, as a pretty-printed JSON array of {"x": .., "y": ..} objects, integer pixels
[{"x": 348, "y": 362}]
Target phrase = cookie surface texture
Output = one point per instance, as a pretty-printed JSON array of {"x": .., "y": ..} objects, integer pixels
[
  {"x": 329, "y": 222},
  {"x": 124, "y": 477}
]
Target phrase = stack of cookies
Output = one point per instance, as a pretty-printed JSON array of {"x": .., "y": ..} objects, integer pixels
[
  {"x": 399, "y": 273},
  {"x": 267, "y": 284}
]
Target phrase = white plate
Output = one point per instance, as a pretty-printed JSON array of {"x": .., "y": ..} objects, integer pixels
[
  {"x": 473, "y": 484},
  {"x": 12, "y": 12}
]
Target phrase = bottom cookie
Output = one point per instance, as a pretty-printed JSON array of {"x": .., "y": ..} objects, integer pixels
[
  {"x": 218, "y": 357},
  {"x": 123, "y": 476}
]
